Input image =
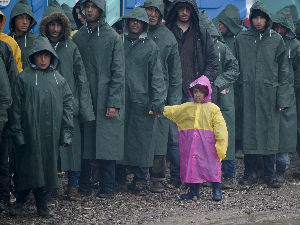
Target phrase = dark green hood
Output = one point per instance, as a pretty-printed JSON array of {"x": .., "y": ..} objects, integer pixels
[
  {"x": 284, "y": 18},
  {"x": 53, "y": 7},
  {"x": 138, "y": 13},
  {"x": 155, "y": 3},
  {"x": 260, "y": 7},
  {"x": 230, "y": 17},
  {"x": 42, "y": 43},
  {"x": 68, "y": 13},
  {"x": 20, "y": 8},
  {"x": 208, "y": 24},
  {"x": 101, "y": 4},
  {"x": 293, "y": 11}
]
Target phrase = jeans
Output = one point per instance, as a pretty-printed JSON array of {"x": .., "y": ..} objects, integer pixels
[
  {"x": 228, "y": 168},
  {"x": 283, "y": 159},
  {"x": 73, "y": 178},
  {"x": 255, "y": 163},
  {"x": 140, "y": 174},
  {"x": 107, "y": 174}
]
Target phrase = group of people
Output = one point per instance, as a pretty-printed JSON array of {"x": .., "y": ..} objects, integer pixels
[{"x": 165, "y": 82}]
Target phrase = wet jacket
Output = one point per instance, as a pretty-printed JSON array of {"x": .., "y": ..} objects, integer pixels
[
  {"x": 12, "y": 43},
  {"x": 42, "y": 119},
  {"x": 264, "y": 83},
  {"x": 145, "y": 90},
  {"x": 203, "y": 137},
  {"x": 102, "y": 53},
  {"x": 206, "y": 60},
  {"x": 26, "y": 40},
  {"x": 288, "y": 117},
  {"x": 72, "y": 69}
]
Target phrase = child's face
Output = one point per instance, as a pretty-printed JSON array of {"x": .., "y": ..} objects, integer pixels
[
  {"x": 198, "y": 95},
  {"x": 42, "y": 59}
]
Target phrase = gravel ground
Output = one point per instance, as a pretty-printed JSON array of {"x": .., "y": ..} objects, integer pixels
[{"x": 245, "y": 205}]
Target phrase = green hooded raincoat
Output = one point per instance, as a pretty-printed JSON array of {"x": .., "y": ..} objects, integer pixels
[
  {"x": 102, "y": 52},
  {"x": 72, "y": 69},
  {"x": 264, "y": 81},
  {"x": 41, "y": 120}
]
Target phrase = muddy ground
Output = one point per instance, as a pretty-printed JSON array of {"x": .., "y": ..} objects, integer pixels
[{"x": 245, "y": 205}]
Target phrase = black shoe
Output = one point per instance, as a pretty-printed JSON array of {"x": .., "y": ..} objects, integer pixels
[
  {"x": 190, "y": 195},
  {"x": 176, "y": 183},
  {"x": 44, "y": 211},
  {"x": 217, "y": 192},
  {"x": 138, "y": 188},
  {"x": 105, "y": 193},
  {"x": 248, "y": 180},
  {"x": 272, "y": 182},
  {"x": 16, "y": 209},
  {"x": 3, "y": 205}
]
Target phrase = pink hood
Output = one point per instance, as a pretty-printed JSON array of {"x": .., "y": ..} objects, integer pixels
[{"x": 203, "y": 80}]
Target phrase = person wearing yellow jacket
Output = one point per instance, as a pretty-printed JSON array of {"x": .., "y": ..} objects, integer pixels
[
  {"x": 203, "y": 139},
  {"x": 11, "y": 42}
]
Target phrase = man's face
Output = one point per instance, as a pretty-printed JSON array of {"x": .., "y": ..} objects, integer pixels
[
  {"x": 22, "y": 22},
  {"x": 259, "y": 23},
  {"x": 184, "y": 14},
  {"x": 198, "y": 95},
  {"x": 135, "y": 26},
  {"x": 153, "y": 15},
  {"x": 223, "y": 29},
  {"x": 79, "y": 16},
  {"x": 92, "y": 12},
  {"x": 54, "y": 30},
  {"x": 280, "y": 29},
  {"x": 42, "y": 59}
]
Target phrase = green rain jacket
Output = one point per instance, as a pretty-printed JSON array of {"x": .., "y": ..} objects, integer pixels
[
  {"x": 26, "y": 40},
  {"x": 288, "y": 117},
  {"x": 41, "y": 120},
  {"x": 171, "y": 67},
  {"x": 72, "y": 69},
  {"x": 145, "y": 90},
  {"x": 102, "y": 52},
  {"x": 264, "y": 81},
  {"x": 228, "y": 75}
]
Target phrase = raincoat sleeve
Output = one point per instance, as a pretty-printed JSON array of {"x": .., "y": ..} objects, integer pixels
[
  {"x": 17, "y": 56},
  {"x": 173, "y": 112},
  {"x": 231, "y": 71},
  {"x": 85, "y": 101},
  {"x": 221, "y": 133},
  {"x": 66, "y": 131},
  {"x": 175, "y": 77},
  {"x": 157, "y": 85},
  {"x": 283, "y": 96},
  {"x": 10, "y": 64},
  {"x": 296, "y": 66},
  {"x": 117, "y": 83},
  {"x": 15, "y": 122},
  {"x": 5, "y": 95}
]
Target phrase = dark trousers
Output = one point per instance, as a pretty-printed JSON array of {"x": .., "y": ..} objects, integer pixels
[
  {"x": 107, "y": 173},
  {"x": 228, "y": 168},
  {"x": 85, "y": 175},
  {"x": 40, "y": 194},
  {"x": 159, "y": 167},
  {"x": 140, "y": 174},
  {"x": 4, "y": 168},
  {"x": 254, "y": 164}
]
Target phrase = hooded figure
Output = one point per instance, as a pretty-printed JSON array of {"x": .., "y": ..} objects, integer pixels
[
  {"x": 102, "y": 52},
  {"x": 288, "y": 117},
  {"x": 145, "y": 90},
  {"x": 228, "y": 75},
  {"x": 264, "y": 85},
  {"x": 68, "y": 13},
  {"x": 197, "y": 53},
  {"x": 296, "y": 21},
  {"x": 12, "y": 43},
  {"x": 78, "y": 16},
  {"x": 41, "y": 120},
  {"x": 26, "y": 40},
  {"x": 230, "y": 17},
  {"x": 72, "y": 69}
]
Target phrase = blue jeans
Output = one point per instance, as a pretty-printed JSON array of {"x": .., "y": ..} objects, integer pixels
[
  {"x": 73, "y": 178},
  {"x": 140, "y": 173},
  {"x": 228, "y": 168},
  {"x": 107, "y": 173},
  {"x": 283, "y": 159}
]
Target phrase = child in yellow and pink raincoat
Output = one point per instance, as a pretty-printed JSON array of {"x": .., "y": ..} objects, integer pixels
[{"x": 203, "y": 139}]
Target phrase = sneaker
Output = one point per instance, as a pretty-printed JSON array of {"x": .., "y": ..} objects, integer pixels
[
  {"x": 229, "y": 183},
  {"x": 73, "y": 194},
  {"x": 157, "y": 187},
  {"x": 16, "y": 209}
]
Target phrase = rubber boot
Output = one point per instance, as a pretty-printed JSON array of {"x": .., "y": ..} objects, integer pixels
[
  {"x": 193, "y": 193},
  {"x": 217, "y": 192}
]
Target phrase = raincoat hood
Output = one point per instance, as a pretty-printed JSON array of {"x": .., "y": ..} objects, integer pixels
[
  {"x": 52, "y": 13},
  {"x": 68, "y": 12},
  {"x": 2, "y": 25},
  {"x": 99, "y": 3},
  {"x": 204, "y": 81},
  {"x": 155, "y": 3},
  {"x": 20, "y": 8},
  {"x": 75, "y": 16},
  {"x": 293, "y": 11},
  {"x": 284, "y": 18},
  {"x": 137, "y": 13},
  {"x": 42, "y": 44},
  {"x": 208, "y": 24},
  {"x": 259, "y": 6},
  {"x": 230, "y": 17}
]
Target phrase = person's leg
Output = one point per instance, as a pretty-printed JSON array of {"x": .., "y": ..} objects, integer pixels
[
  {"x": 193, "y": 192},
  {"x": 21, "y": 197},
  {"x": 85, "y": 177},
  {"x": 4, "y": 171},
  {"x": 41, "y": 199},
  {"x": 73, "y": 185},
  {"x": 139, "y": 181},
  {"x": 228, "y": 174},
  {"x": 157, "y": 173},
  {"x": 250, "y": 171},
  {"x": 217, "y": 191},
  {"x": 269, "y": 171},
  {"x": 107, "y": 171}
]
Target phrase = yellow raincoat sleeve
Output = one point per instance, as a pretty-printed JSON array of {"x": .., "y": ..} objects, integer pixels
[
  {"x": 173, "y": 112},
  {"x": 221, "y": 133}
]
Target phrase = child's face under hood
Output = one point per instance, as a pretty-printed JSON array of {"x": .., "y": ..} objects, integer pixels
[{"x": 203, "y": 81}]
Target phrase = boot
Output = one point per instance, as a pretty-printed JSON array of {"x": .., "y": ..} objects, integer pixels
[
  {"x": 193, "y": 193},
  {"x": 280, "y": 172},
  {"x": 157, "y": 185},
  {"x": 16, "y": 209},
  {"x": 73, "y": 194},
  {"x": 41, "y": 196},
  {"x": 217, "y": 192}
]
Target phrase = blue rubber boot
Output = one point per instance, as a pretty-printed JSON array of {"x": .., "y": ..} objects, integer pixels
[
  {"x": 217, "y": 192},
  {"x": 193, "y": 193}
]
